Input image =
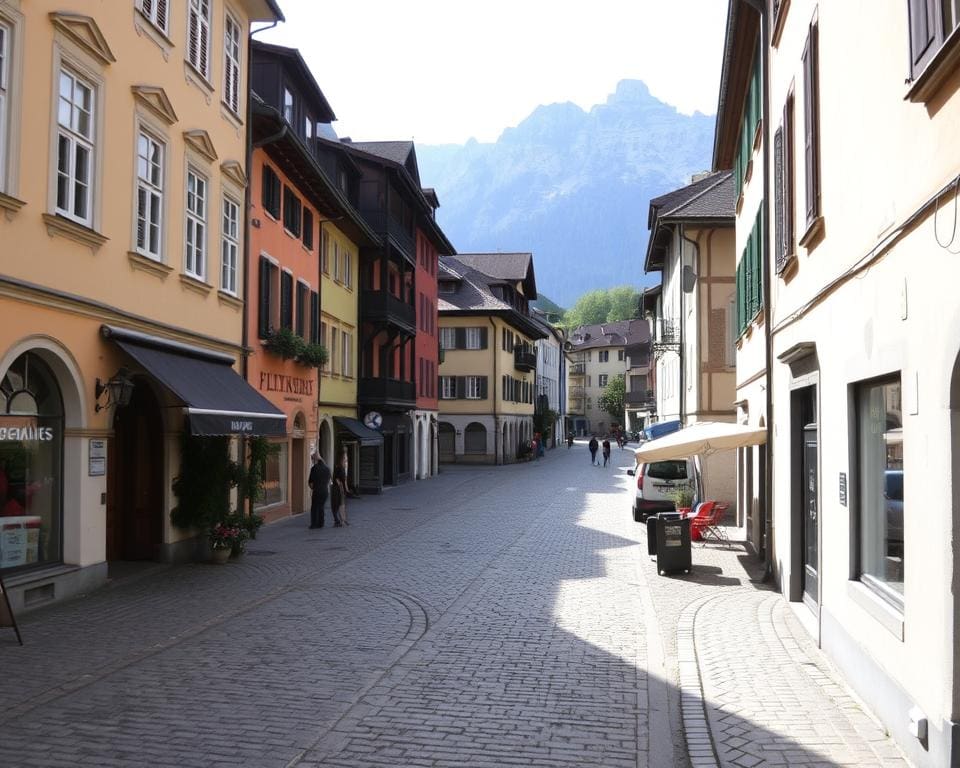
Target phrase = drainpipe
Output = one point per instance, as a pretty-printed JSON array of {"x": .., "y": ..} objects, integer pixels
[
  {"x": 696, "y": 250},
  {"x": 497, "y": 437},
  {"x": 768, "y": 533}
]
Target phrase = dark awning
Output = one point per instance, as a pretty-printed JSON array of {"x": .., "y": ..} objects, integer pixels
[
  {"x": 364, "y": 434},
  {"x": 216, "y": 399}
]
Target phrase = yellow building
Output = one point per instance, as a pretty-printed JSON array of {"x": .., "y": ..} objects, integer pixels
[
  {"x": 488, "y": 363},
  {"x": 122, "y": 184}
]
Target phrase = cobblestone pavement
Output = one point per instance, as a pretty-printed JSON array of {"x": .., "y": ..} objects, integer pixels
[{"x": 493, "y": 616}]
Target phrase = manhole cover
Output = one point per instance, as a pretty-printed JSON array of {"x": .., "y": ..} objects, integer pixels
[{"x": 261, "y": 552}]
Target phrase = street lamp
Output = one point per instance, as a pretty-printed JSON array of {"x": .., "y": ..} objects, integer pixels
[{"x": 119, "y": 389}]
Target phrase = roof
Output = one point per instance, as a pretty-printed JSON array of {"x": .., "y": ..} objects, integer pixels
[
  {"x": 623, "y": 333},
  {"x": 743, "y": 26},
  {"x": 394, "y": 151},
  {"x": 475, "y": 295},
  {"x": 512, "y": 267},
  {"x": 710, "y": 200}
]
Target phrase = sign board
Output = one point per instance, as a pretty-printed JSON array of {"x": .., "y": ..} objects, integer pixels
[
  {"x": 97, "y": 461},
  {"x": 7, "y": 619},
  {"x": 673, "y": 535},
  {"x": 843, "y": 488}
]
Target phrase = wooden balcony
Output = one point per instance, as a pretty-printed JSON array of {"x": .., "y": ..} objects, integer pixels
[{"x": 383, "y": 308}]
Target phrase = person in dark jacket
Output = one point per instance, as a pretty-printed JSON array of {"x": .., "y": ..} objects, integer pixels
[
  {"x": 606, "y": 451},
  {"x": 593, "y": 445},
  {"x": 319, "y": 482}
]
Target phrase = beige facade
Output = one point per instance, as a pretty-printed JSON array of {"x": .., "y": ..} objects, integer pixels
[{"x": 122, "y": 176}]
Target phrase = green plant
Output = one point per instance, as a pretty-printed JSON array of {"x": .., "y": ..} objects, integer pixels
[
  {"x": 203, "y": 486},
  {"x": 543, "y": 422},
  {"x": 614, "y": 396},
  {"x": 285, "y": 343},
  {"x": 251, "y": 523},
  {"x": 225, "y": 536},
  {"x": 314, "y": 355},
  {"x": 682, "y": 497}
]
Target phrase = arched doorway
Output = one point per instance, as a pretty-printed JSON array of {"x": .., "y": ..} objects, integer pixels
[
  {"x": 31, "y": 464},
  {"x": 135, "y": 478},
  {"x": 448, "y": 442},
  {"x": 325, "y": 445},
  {"x": 475, "y": 439}
]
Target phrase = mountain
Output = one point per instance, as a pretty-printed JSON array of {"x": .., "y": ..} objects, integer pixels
[{"x": 570, "y": 186}]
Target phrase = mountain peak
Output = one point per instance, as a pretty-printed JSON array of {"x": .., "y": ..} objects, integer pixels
[{"x": 630, "y": 90}]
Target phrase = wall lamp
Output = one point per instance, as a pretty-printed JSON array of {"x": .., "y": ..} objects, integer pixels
[{"x": 119, "y": 389}]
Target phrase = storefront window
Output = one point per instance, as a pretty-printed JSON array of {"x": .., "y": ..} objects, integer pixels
[
  {"x": 275, "y": 477},
  {"x": 881, "y": 488},
  {"x": 31, "y": 459}
]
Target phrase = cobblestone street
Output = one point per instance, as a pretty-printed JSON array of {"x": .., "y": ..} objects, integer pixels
[{"x": 493, "y": 616}]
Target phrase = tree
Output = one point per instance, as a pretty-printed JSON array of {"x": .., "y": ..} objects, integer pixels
[
  {"x": 604, "y": 306},
  {"x": 624, "y": 304},
  {"x": 613, "y": 398}
]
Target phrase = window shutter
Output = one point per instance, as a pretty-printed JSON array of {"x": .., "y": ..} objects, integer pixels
[
  {"x": 161, "y": 14},
  {"x": 483, "y": 387},
  {"x": 286, "y": 300},
  {"x": 810, "y": 117},
  {"x": 923, "y": 33},
  {"x": 460, "y": 338},
  {"x": 314, "y": 316},
  {"x": 308, "y": 228},
  {"x": 483, "y": 338},
  {"x": 779, "y": 198},
  {"x": 263, "y": 314},
  {"x": 460, "y": 387},
  {"x": 300, "y": 309}
]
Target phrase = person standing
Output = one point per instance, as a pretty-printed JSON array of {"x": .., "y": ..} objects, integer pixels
[
  {"x": 319, "y": 482},
  {"x": 606, "y": 451},
  {"x": 338, "y": 496},
  {"x": 593, "y": 445}
]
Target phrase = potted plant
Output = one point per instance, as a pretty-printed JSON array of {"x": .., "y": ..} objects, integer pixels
[
  {"x": 252, "y": 523},
  {"x": 683, "y": 499},
  {"x": 312, "y": 355},
  {"x": 223, "y": 537},
  {"x": 284, "y": 343}
]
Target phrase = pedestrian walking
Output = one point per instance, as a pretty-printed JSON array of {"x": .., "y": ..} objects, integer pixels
[
  {"x": 319, "y": 482},
  {"x": 345, "y": 463},
  {"x": 620, "y": 440},
  {"x": 606, "y": 451},
  {"x": 593, "y": 445},
  {"x": 338, "y": 497}
]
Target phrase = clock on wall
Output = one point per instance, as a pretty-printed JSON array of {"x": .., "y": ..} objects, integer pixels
[{"x": 373, "y": 420}]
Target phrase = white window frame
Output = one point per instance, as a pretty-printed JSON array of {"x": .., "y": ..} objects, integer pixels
[
  {"x": 472, "y": 385},
  {"x": 231, "y": 63},
  {"x": 195, "y": 226},
  {"x": 334, "y": 338},
  {"x": 76, "y": 141},
  {"x": 229, "y": 244},
  {"x": 157, "y": 12},
  {"x": 472, "y": 338},
  {"x": 603, "y": 356},
  {"x": 448, "y": 387},
  {"x": 347, "y": 268},
  {"x": 345, "y": 354},
  {"x": 198, "y": 36},
  {"x": 5, "y": 34},
  {"x": 336, "y": 261},
  {"x": 448, "y": 338},
  {"x": 288, "y": 105},
  {"x": 602, "y": 379},
  {"x": 151, "y": 189},
  {"x": 323, "y": 343}
]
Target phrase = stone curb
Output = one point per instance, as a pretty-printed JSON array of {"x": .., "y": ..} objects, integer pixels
[{"x": 696, "y": 726}]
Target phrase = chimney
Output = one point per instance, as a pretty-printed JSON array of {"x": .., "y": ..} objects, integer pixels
[
  {"x": 700, "y": 176},
  {"x": 346, "y": 140}
]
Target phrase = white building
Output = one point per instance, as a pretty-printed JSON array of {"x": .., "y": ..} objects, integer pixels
[{"x": 551, "y": 375}]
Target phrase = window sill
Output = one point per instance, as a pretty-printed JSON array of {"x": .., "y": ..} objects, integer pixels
[
  {"x": 291, "y": 234},
  {"x": 814, "y": 234},
  {"x": 230, "y": 116},
  {"x": 229, "y": 300},
  {"x": 788, "y": 267},
  {"x": 197, "y": 78},
  {"x": 940, "y": 69},
  {"x": 143, "y": 26},
  {"x": 191, "y": 283},
  {"x": 748, "y": 173},
  {"x": 60, "y": 225},
  {"x": 885, "y": 614},
  {"x": 758, "y": 135},
  {"x": 149, "y": 265},
  {"x": 10, "y": 203}
]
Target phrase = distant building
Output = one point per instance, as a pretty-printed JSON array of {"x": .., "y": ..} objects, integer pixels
[{"x": 551, "y": 375}]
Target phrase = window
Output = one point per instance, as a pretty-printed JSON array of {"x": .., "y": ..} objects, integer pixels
[
  {"x": 230, "y": 245},
  {"x": 602, "y": 380},
  {"x": 4, "y": 86},
  {"x": 324, "y": 247},
  {"x": 931, "y": 23},
  {"x": 335, "y": 258},
  {"x": 292, "y": 212},
  {"x": 198, "y": 36},
  {"x": 286, "y": 300},
  {"x": 275, "y": 476},
  {"x": 288, "y": 106},
  {"x": 749, "y": 277},
  {"x": 620, "y": 355},
  {"x": 811, "y": 125},
  {"x": 334, "y": 336},
  {"x": 345, "y": 345},
  {"x": 603, "y": 356},
  {"x": 302, "y": 309},
  {"x": 308, "y": 127},
  {"x": 880, "y": 470},
  {"x": 307, "y": 228},
  {"x": 75, "y": 145},
  {"x": 196, "y": 255},
  {"x": 476, "y": 387},
  {"x": 448, "y": 338},
  {"x": 472, "y": 337},
  {"x": 314, "y": 317},
  {"x": 347, "y": 273},
  {"x": 752, "y": 112},
  {"x": 156, "y": 12},
  {"x": 448, "y": 387},
  {"x": 149, "y": 195},
  {"x": 271, "y": 192},
  {"x": 231, "y": 64},
  {"x": 783, "y": 186},
  {"x": 267, "y": 278}
]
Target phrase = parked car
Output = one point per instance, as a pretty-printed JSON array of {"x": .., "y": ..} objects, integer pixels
[
  {"x": 893, "y": 504},
  {"x": 657, "y": 482}
]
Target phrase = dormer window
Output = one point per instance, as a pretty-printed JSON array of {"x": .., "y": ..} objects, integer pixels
[
  {"x": 308, "y": 128},
  {"x": 447, "y": 286},
  {"x": 288, "y": 106}
]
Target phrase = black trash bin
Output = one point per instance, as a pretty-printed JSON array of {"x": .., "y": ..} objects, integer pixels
[
  {"x": 673, "y": 545},
  {"x": 652, "y": 529}
]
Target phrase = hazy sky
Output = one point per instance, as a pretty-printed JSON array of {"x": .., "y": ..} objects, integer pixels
[{"x": 442, "y": 71}]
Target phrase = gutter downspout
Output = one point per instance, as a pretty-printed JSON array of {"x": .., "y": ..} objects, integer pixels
[
  {"x": 496, "y": 435},
  {"x": 768, "y": 532},
  {"x": 696, "y": 251}
]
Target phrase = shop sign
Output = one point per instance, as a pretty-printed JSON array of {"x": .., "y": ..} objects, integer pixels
[
  {"x": 289, "y": 385},
  {"x": 24, "y": 429}
]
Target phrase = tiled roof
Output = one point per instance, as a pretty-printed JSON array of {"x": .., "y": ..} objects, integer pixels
[
  {"x": 502, "y": 266},
  {"x": 711, "y": 197},
  {"x": 622, "y": 333},
  {"x": 394, "y": 151},
  {"x": 473, "y": 289}
]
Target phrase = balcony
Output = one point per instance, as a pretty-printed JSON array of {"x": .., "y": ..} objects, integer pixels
[
  {"x": 386, "y": 391},
  {"x": 643, "y": 398},
  {"x": 524, "y": 359},
  {"x": 576, "y": 392},
  {"x": 386, "y": 226},
  {"x": 578, "y": 369},
  {"x": 383, "y": 308}
]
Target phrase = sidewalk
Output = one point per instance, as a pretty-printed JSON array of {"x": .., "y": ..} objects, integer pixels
[{"x": 755, "y": 690}]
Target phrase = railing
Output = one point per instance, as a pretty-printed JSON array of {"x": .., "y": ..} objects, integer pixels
[
  {"x": 577, "y": 392},
  {"x": 524, "y": 359},
  {"x": 641, "y": 397},
  {"x": 578, "y": 369},
  {"x": 377, "y": 390},
  {"x": 666, "y": 331},
  {"x": 384, "y": 224},
  {"x": 384, "y": 307}
]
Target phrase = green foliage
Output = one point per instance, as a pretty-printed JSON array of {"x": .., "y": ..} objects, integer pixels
[
  {"x": 682, "y": 497},
  {"x": 314, "y": 355},
  {"x": 203, "y": 486},
  {"x": 613, "y": 397},
  {"x": 550, "y": 308},
  {"x": 604, "y": 306},
  {"x": 284, "y": 343},
  {"x": 543, "y": 422}
]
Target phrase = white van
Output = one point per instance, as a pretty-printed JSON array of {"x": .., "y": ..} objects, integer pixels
[{"x": 658, "y": 480}]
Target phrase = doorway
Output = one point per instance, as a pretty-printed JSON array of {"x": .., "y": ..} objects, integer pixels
[
  {"x": 447, "y": 439},
  {"x": 811, "y": 520},
  {"x": 135, "y": 490},
  {"x": 805, "y": 498}
]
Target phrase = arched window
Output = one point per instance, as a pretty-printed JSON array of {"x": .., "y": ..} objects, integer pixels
[{"x": 475, "y": 438}]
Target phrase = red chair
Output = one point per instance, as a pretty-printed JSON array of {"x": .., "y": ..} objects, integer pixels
[
  {"x": 698, "y": 519},
  {"x": 711, "y": 526}
]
